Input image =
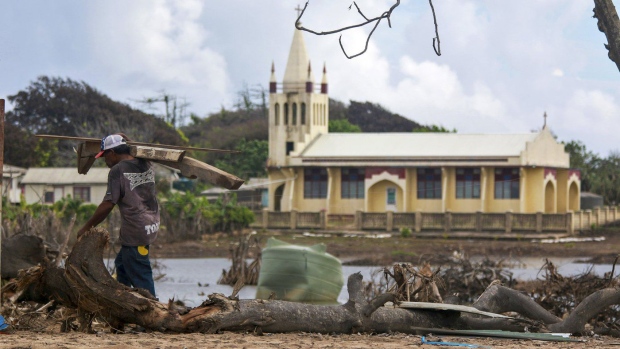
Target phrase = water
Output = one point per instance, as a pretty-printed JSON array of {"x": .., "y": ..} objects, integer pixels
[{"x": 192, "y": 280}]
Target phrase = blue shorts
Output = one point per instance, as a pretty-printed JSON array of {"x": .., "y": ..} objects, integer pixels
[{"x": 133, "y": 268}]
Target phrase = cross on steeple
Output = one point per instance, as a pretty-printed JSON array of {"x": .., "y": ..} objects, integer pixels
[{"x": 298, "y": 9}]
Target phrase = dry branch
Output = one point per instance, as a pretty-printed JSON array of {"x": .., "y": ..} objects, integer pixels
[{"x": 367, "y": 21}]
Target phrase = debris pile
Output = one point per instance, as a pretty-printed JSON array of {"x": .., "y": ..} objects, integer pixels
[{"x": 240, "y": 271}]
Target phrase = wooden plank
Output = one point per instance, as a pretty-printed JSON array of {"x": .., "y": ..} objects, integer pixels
[
  {"x": 90, "y": 139},
  {"x": 86, "y": 152},
  {"x": 449, "y": 307},
  {"x": 553, "y": 337},
  {"x": 152, "y": 153},
  {"x": 193, "y": 168}
]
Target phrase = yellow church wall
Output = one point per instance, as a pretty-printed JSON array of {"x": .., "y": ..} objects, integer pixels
[
  {"x": 498, "y": 205},
  {"x": 338, "y": 205},
  {"x": 452, "y": 203},
  {"x": 302, "y": 204},
  {"x": 377, "y": 196},
  {"x": 562, "y": 190},
  {"x": 534, "y": 199},
  {"x": 415, "y": 204}
]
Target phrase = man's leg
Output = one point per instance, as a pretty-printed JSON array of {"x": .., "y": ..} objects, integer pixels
[
  {"x": 137, "y": 267},
  {"x": 121, "y": 274}
]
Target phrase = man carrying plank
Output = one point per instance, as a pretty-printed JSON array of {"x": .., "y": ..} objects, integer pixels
[{"x": 131, "y": 186}]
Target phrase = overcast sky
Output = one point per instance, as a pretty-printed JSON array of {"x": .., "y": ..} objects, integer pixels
[{"x": 503, "y": 63}]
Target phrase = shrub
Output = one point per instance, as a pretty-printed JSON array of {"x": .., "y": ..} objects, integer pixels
[{"x": 405, "y": 232}]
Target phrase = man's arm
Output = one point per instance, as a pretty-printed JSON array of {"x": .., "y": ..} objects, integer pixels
[{"x": 102, "y": 211}]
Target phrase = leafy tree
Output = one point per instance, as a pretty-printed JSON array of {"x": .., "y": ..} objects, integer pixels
[
  {"x": 584, "y": 160},
  {"x": 598, "y": 175},
  {"x": 343, "y": 126},
  {"x": 175, "y": 111},
  {"x": 225, "y": 215},
  {"x": 373, "y": 117},
  {"x": 608, "y": 179},
  {"x": 70, "y": 108},
  {"x": 250, "y": 162},
  {"x": 434, "y": 128}
]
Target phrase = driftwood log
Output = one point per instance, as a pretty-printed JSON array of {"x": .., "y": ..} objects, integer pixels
[
  {"x": 21, "y": 251},
  {"x": 85, "y": 284}
]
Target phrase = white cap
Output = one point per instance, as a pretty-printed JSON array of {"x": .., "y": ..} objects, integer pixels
[{"x": 109, "y": 142}]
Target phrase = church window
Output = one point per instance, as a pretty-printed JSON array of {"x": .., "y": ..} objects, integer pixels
[
  {"x": 285, "y": 113},
  {"x": 303, "y": 113},
  {"x": 352, "y": 183},
  {"x": 467, "y": 183},
  {"x": 429, "y": 183},
  {"x": 294, "y": 114},
  {"x": 290, "y": 146},
  {"x": 315, "y": 183},
  {"x": 507, "y": 183},
  {"x": 277, "y": 113}
]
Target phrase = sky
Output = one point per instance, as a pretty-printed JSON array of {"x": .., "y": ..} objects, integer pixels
[{"x": 503, "y": 63}]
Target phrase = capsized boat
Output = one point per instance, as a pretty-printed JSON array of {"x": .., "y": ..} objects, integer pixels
[{"x": 296, "y": 273}]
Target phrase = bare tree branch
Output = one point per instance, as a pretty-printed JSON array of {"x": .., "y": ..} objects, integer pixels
[
  {"x": 608, "y": 23},
  {"x": 385, "y": 15}
]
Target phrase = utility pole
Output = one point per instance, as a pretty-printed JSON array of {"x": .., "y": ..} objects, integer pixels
[{"x": 1, "y": 176}]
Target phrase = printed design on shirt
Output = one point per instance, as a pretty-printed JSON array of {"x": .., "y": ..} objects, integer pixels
[{"x": 136, "y": 179}]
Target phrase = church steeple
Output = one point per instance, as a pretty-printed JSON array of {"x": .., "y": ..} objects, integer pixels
[
  {"x": 272, "y": 81},
  {"x": 297, "y": 112},
  {"x": 324, "y": 81},
  {"x": 295, "y": 75},
  {"x": 309, "y": 80}
]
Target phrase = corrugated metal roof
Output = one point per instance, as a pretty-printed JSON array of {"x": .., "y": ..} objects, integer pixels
[
  {"x": 65, "y": 175},
  {"x": 416, "y": 145},
  {"x": 12, "y": 171}
]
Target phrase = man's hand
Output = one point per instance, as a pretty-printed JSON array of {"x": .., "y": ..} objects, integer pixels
[{"x": 81, "y": 232}]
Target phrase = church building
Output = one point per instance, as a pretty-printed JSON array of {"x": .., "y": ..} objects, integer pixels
[{"x": 312, "y": 170}]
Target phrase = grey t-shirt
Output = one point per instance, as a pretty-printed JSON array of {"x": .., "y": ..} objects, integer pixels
[{"x": 131, "y": 186}]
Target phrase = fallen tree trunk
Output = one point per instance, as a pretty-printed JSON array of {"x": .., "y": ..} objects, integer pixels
[{"x": 86, "y": 284}]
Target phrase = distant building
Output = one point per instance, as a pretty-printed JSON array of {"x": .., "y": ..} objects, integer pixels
[
  {"x": 252, "y": 194},
  {"x": 11, "y": 179},
  {"x": 46, "y": 185},
  {"x": 591, "y": 200},
  {"x": 311, "y": 169}
]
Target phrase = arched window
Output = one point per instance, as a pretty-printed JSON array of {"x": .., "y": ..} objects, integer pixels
[
  {"x": 294, "y": 114},
  {"x": 303, "y": 113},
  {"x": 285, "y": 113},
  {"x": 277, "y": 113}
]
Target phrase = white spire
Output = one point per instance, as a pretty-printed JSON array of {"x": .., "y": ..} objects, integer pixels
[{"x": 296, "y": 73}]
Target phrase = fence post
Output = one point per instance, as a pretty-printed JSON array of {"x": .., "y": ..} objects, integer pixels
[
  {"x": 508, "y": 223},
  {"x": 570, "y": 223},
  {"x": 448, "y": 221},
  {"x": 293, "y": 221},
  {"x": 607, "y": 215},
  {"x": 418, "y": 221},
  {"x": 358, "y": 220},
  {"x": 588, "y": 227},
  {"x": 265, "y": 218},
  {"x": 323, "y": 218},
  {"x": 580, "y": 218},
  {"x": 539, "y": 219},
  {"x": 597, "y": 212},
  {"x": 614, "y": 213},
  {"x": 389, "y": 221},
  {"x": 478, "y": 221}
]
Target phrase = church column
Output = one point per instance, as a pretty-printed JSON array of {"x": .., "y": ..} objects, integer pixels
[
  {"x": 330, "y": 181},
  {"x": 444, "y": 188},
  {"x": 522, "y": 198},
  {"x": 483, "y": 189}
]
